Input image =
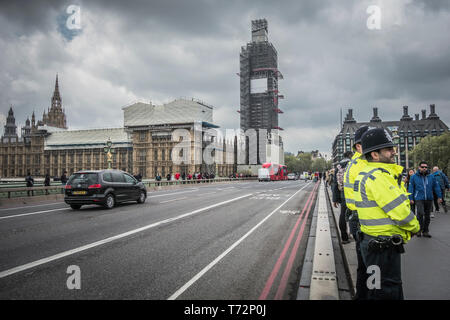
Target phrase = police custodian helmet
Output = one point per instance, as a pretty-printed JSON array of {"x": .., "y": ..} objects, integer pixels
[
  {"x": 375, "y": 139},
  {"x": 359, "y": 133}
]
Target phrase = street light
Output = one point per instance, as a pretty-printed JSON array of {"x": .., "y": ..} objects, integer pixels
[
  {"x": 109, "y": 151},
  {"x": 396, "y": 139}
]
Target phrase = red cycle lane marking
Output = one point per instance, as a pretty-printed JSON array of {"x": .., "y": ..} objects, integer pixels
[
  {"x": 287, "y": 270},
  {"x": 275, "y": 270}
]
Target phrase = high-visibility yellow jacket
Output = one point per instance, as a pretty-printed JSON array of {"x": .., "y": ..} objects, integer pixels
[
  {"x": 354, "y": 167},
  {"x": 382, "y": 205}
]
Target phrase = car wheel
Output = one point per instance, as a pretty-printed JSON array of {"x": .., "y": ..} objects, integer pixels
[
  {"x": 142, "y": 197},
  {"x": 110, "y": 201},
  {"x": 75, "y": 206}
]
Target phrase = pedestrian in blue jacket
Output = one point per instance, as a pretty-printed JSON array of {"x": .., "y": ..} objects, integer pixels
[
  {"x": 442, "y": 181},
  {"x": 421, "y": 187}
]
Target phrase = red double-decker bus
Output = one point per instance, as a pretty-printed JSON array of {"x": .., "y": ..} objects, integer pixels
[{"x": 276, "y": 171}]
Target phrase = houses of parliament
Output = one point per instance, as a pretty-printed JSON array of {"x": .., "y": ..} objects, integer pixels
[{"x": 143, "y": 145}]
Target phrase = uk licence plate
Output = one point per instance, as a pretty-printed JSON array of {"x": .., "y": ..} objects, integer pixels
[{"x": 79, "y": 192}]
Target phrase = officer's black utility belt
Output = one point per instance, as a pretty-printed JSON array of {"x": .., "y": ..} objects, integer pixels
[
  {"x": 352, "y": 215},
  {"x": 381, "y": 243}
]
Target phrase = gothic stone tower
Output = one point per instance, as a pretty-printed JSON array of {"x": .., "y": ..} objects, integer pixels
[
  {"x": 10, "y": 127},
  {"x": 259, "y": 94},
  {"x": 56, "y": 116}
]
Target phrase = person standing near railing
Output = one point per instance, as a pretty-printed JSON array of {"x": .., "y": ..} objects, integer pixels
[
  {"x": 158, "y": 179},
  {"x": 47, "y": 182},
  {"x": 30, "y": 182},
  {"x": 64, "y": 178}
]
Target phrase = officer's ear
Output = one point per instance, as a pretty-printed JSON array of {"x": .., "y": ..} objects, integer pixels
[{"x": 375, "y": 156}]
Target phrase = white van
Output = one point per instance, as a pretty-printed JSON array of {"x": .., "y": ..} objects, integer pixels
[{"x": 263, "y": 174}]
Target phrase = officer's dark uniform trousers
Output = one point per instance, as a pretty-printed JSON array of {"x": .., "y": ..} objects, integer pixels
[
  {"x": 389, "y": 261},
  {"x": 361, "y": 274}
]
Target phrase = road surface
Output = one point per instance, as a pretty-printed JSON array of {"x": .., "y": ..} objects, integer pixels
[{"x": 219, "y": 241}]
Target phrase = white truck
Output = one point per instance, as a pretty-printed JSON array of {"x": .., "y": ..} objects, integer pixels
[{"x": 263, "y": 174}]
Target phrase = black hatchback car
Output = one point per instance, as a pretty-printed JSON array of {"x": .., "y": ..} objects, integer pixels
[{"x": 103, "y": 187}]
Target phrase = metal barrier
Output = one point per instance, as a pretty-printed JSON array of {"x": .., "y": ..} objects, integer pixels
[{"x": 13, "y": 192}]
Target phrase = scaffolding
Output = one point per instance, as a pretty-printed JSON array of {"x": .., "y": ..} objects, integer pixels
[{"x": 259, "y": 60}]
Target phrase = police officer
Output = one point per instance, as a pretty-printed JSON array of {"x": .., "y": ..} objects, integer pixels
[
  {"x": 355, "y": 166},
  {"x": 384, "y": 215}
]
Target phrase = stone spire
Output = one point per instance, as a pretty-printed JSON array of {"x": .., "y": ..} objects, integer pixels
[
  {"x": 56, "y": 99},
  {"x": 10, "y": 127},
  {"x": 55, "y": 116}
]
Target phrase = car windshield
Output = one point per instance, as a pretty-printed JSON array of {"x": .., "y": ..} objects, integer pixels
[{"x": 83, "y": 179}]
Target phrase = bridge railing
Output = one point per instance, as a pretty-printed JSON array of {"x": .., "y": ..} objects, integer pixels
[{"x": 15, "y": 191}]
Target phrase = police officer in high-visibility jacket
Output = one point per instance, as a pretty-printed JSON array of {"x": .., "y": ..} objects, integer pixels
[
  {"x": 384, "y": 215},
  {"x": 357, "y": 163}
]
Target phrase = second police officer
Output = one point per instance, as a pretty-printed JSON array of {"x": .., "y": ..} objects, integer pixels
[
  {"x": 384, "y": 215},
  {"x": 355, "y": 166}
]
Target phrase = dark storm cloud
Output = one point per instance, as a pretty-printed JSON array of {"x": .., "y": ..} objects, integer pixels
[
  {"x": 25, "y": 17},
  {"x": 203, "y": 17},
  {"x": 160, "y": 50},
  {"x": 433, "y": 5}
]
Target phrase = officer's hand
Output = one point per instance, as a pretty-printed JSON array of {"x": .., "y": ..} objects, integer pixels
[
  {"x": 335, "y": 204},
  {"x": 412, "y": 201}
]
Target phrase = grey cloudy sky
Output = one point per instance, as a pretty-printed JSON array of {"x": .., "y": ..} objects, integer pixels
[{"x": 161, "y": 50}]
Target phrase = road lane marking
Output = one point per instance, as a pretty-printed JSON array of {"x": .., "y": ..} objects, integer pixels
[
  {"x": 32, "y": 213},
  {"x": 177, "y": 199},
  {"x": 169, "y": 194},
  {"x": 204, "y": 194},
  {"x": 294, "y": 251},
  {"x": 36, "y": 263},
  {"x": 38, "y": 205},
  {"x": 221, "y": 256},
  {"x": 280, "y": 260}
]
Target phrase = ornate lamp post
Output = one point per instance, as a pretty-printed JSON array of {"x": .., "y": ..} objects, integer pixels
[
  {"x": 396, "y": 139},
  {"x": 109, "y": 151}
]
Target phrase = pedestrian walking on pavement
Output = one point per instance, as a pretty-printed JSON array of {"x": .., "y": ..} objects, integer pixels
[
  {"x": 411, "y": 172},
  {"x": 385, "y": 216},
  {"x": 421, "y": 187},
  {"x": 443, "y": 183},
  {"x": 356, "y": 165}
]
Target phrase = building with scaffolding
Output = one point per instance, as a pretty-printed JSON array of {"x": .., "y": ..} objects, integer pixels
[{"x": 259, "y": 95}]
